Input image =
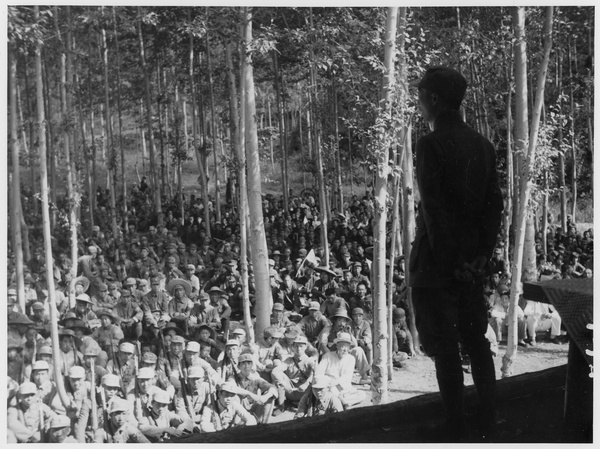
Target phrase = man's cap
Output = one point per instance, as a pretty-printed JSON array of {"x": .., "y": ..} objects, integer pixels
[
  {"x": 446, "y": 82},
  {"x": 93, "y": 250},
  {"x": 358, "y": 311},
  {"x": 92, "y": 351},
  {"x": 127, "y": 347},
  {"x": 301, "y": 340},
  {"x": 11, "y": 292},
  {"x": 229, "y": 387},
  {"x": 96, "y": 228},
  {"x": 102, "y": 287},
  {"x": 278, "y": 306},
  {"x": 195, "y": 372},
  {"x": 40, "y": 365},
  {"x": 292, "y": 332},
  {"x": 45, "y": 350},
  {"x": 27, "y": 388},
  {"x": 272, "y": 332},
  {"x": 173, "y": 326},
  {"x": 193, "y": 346},
  {"x": 37, "y": 306},
  {"x": 314, "y": 305},
  {"x": 343, "y": 337},
  {"x": 111, "y": 380},
  {"x": 203, "y": 296},
  {"x": 215, "y": 289},
  {"x": 131, "y": 281},
  {"x": 60, "y": 421},
  {"x": 341, "y": 312},
  {"x": 84, "y": 297},
  {"x": 149, "y": 357},
  {"x": 146, "y": 373},
  {"x": 245, "y": 358},
  {"x": 191, "y": 266},
  {"x": 118, "y": 405},
  {"x": 161, "y": 396},
  {"x": 177, "y": 339},
  {"x": 76, "y": 372},
  {"x": 232, "y": 343}
]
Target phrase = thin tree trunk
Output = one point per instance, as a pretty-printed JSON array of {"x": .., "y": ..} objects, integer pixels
[
  {"x": 111, "y": 157},
  {"x": 338, "y": 163},
  {"x": 15, "y": 197},
  {"x": 213, "y": 121},
  {"x": 321, "y": 181},
  {"x": 379, "y": 378},
  {"x": 271, "y": 138},
  {"x": 262, "y": 308},
  {"x": 282, "y": 133},
  {"x": 41, "y": 121},
  {"x": 526, "y": 142},
  {"x": 572, "y": 136},
  {"x": 561, "y": 153},
  {"x": 120, "y": 110},
  {"x": 510, "y": 181},
  {"x": 153, "y": 174}
]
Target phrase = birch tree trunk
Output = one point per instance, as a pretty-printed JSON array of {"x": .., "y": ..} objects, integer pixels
[
  {"x": 379, "y": 378},
  {"x": 258, "y": 241},
  {"x": 41, "y": 121},
  {"x": 572, "y": 136},
  {"x": 525, "y": 142}
]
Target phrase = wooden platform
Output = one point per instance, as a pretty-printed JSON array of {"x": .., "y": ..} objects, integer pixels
[{"x": 529, "y": 406}]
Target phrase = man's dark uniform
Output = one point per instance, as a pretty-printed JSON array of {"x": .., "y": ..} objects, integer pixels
[{"x": 459, "y": 218}]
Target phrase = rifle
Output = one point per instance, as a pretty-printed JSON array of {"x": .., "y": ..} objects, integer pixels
[
  {"x": 104, "y": 412},
  {"x": 183, "y": 382},
  {"x": 213, "y": 402},
  {"x": 137, "y": 402},
  {"x": 93, "y": 394},
  {"x": 41, "y": 419}
]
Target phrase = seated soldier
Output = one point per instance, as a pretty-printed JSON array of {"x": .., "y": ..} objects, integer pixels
[
  {"x": 199, "y": 397},
  {"x": 542, "y": 317},
  {"x": 339, "y": 366},
  {"x": 228, "y": 366},
  {"x": 59, "y": 430},
  {"x": 109, "y": 334},
  {"x": 119, "y": 429},
  {"x": 158, "y": 423},
  {"x": 318, "y": 400},
  {"x": 278, "y": 318},
  {"x": 203, "y": 313},
  {"x": 498, "y": 319},
  {"x": 78, "y": 392},
  {"x": 227, "y": 412},
  {"x": 123, "y": 365},
  {"x": 269, "y": 350},
  {"x": 40, "y": 375},
  {"x": 130, "y": 313},
  {"x": 23, "y": 419},
  {"x": 294, "y": 374},
  {"x": 286, "y": 343},
  {"x": 149, "y": 360},
  {"x": 313, "y": 323},
  {"x": 361, "y": 330},
  {"x": 258, "y": 395}
]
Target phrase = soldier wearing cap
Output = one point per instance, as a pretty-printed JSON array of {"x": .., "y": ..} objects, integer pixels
[
  {"x": 228, "y": 366},
  {"x": 190, "y": 276},
  {"x": 83, "y": 308},
  {"x": 314, "y": 323},
  {"x": 150, "y": 360},
  {"x": 109, "y": 334},
  {"x": 86, "y": 265},
  {"x": 332, "y": 303},
  {"x": 218, "y": 299},
  {"x": 130, "y": 314},
  {"x": 40, "y": 318},
  {"x": 119, "y": 428},
  {"x": 286, "y": 343},
  {"x": 192, "y": 358},
  {"x": 123, "y": 365},
  {"x": 460, "y": 214},
  {"x": 199, "y": 398},
  {"x": 159, "y": 423},
  {"x": 40, "y": 375},
  {"x": 23, "y": 419},
  {"x": 278, "y": 317},
  {"x": 171, "y": 270},
  {"x": 203, "y": 313},
  {"x": 59, "y": 430},
  {"x": 294, "y": 374},
  {"x": 227, "y": 412},
  {"x": 70, "y": 356},
  {"x": 361, "y": 330},
  {"x": 146, "y": 387},
  {"x": 269, "y": 350},
  {"x": 155, "y": 306},
  {"x": 258, "y": 395},
  {"x": 91, "y": 355},
  {"x": 172, "y": 361},
  {"x": 319, "y": 399}
]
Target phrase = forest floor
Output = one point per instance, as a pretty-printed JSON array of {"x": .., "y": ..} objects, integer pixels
[{"x": 417, "y": 375}]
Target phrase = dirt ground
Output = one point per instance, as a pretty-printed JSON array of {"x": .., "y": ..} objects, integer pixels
[{"x": 417, "y": 375}]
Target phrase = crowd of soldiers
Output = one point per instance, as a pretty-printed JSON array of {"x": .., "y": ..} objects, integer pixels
[{"x": 153, "y": 344}]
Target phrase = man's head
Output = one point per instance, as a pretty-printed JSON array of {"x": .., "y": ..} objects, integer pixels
[{"x": 440, "y": 88}]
